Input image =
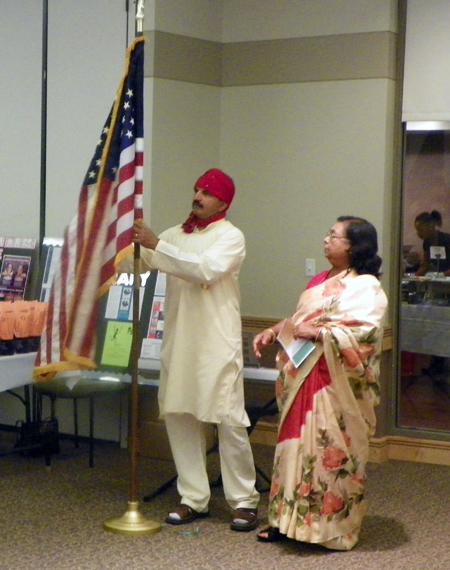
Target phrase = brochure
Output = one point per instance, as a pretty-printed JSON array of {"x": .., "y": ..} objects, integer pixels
[
  {"x": 17, "y": 257},
  {"x": 296, "y": 349}
]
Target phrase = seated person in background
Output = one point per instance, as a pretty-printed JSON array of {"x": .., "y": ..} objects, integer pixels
[{"x": 426, "y": 225}]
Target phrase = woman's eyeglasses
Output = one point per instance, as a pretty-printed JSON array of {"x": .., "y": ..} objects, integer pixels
[{"x": 333, "y": 236}]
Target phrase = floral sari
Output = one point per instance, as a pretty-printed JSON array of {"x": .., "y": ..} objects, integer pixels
[{"x": 327, "y": 413}]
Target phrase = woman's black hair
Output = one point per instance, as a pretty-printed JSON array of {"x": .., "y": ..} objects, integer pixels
[
  {"x": 363, "y": 239},
  {"x": 434, "y": 217}
]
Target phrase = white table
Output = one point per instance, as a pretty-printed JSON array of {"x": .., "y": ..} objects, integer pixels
[
  {"x": 16, "y": 370},
  {"x": 425, "y": 329}
]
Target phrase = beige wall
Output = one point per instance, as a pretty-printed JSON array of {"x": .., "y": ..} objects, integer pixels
[
  {"x": 303, "y": 159},
  {"x": 295, "y": 98},
  {"x": 297, "y": 101},
  {"x": 20, "y": 87},
  {"x": 49, "y": 135},
  {"x": 301, "y": 116},
  {"x": 185, "y": 141},
  {"x": 251, "y": 20}
]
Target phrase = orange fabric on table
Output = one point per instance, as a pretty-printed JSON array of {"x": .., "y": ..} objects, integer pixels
[
  {"x": 21, "y": 320},
  {"x": 7, "y": 318}
]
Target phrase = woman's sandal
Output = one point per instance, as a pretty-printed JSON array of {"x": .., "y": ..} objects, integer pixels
[{"x": 270, "y": 534}]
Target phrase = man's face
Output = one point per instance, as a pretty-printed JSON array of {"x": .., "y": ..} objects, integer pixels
[{"x": 205, "y": 205}]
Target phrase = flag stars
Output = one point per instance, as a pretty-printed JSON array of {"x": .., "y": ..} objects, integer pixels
[{"x": 122, "y": 126}]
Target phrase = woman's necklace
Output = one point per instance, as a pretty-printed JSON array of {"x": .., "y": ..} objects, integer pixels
[{"x": 329, "y": 274}]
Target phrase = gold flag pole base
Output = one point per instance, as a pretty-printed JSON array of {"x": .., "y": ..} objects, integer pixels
[{"x": 132, "y": 523}]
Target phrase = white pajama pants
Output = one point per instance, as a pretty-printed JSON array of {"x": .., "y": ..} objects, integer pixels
[{"x": 188, "y": 444}]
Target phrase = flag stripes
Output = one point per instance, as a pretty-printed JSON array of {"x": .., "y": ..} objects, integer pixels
[{"x": 100, "y": 234}]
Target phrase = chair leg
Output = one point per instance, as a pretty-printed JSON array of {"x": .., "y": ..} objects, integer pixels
[
  {"x": 52, "y": 407},
  {"x": 47, "y": 454},
  {"x": 260, "y": 472},
  {"x": 38, "y": 401},
  {"x": 75, "y": 422},
  {"x": 91, "y": 432}
]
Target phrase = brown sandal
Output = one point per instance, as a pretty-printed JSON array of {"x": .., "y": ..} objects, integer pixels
[
  {"x": 244, "y": 519},
  {"x": 270, "y": 534},
  {"x": 184, "y": 514}
]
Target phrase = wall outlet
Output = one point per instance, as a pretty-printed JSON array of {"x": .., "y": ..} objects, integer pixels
[{"x": 310, "y": 267}]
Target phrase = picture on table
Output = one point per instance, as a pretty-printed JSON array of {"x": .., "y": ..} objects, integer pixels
[{"x": 14, "y": 276}]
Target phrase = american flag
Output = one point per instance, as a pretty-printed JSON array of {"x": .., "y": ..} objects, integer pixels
[{"x": 100, "y": 234}]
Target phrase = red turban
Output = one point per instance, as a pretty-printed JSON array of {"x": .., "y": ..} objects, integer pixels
[{"x": 218, "y": 184}]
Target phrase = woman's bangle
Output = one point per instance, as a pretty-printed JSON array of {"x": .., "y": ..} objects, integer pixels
[
  {"x": 318, "y": 334},
  {"x": 273, "y": 335}
]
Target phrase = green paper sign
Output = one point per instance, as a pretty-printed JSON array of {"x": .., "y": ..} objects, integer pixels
[{"x": 117, "y": 345}]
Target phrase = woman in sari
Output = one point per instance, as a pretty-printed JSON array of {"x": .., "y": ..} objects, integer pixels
[{"x": 327, "y": 403}]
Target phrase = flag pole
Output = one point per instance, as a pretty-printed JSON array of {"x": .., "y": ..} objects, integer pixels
[{"x": 133, "y": 523}]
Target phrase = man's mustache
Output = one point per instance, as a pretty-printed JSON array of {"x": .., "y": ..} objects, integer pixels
[{"x": 196, "y": 203}]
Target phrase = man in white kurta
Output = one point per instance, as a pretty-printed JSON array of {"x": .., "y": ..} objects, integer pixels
[{"x": 201, "y": 377}]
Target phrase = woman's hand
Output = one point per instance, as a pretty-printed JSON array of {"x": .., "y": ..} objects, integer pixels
[
  {"x": 305, "y": 330},
  {"x": 262, "y": 340}
]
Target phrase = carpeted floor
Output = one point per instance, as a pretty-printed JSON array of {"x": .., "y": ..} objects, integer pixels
[{"x": 53, "y": 519}]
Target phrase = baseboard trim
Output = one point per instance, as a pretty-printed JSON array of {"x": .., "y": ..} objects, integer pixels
[
  {"x": 409, "y": 449},
  {"x": 380, "y": 449}
]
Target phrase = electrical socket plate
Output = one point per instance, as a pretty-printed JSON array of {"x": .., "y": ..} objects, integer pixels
[{"x": 310, "y": 267}]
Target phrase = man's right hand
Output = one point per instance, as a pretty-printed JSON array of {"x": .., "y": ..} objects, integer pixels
[{"x": 144, "y": 236}]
